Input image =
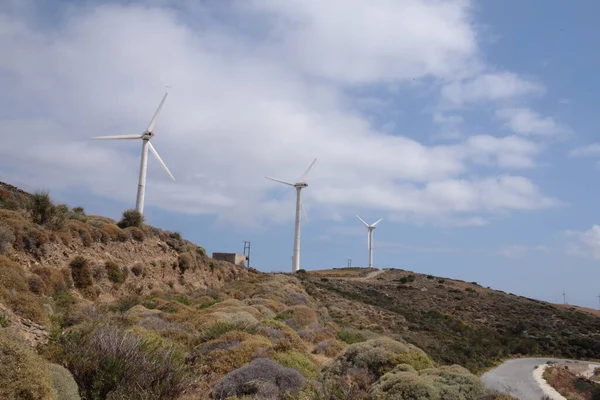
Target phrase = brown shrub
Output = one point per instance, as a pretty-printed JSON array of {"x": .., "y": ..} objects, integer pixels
[
  {"x": 55, "y": 280},
  {"x": 115, "y": 233},
  {"x": 7, "y": 238},
  {"x": 81, "y": 272},
  {"x": 137, "y": 269},
  {"x": 37, "y": 285},
  {"x": 298, "y": 317},
  {"x": 136, "y": 233},
  {"x": 81, "y": 231},
  {"x": 110, "y": 362},
  {"x": 329, "y": 348},
  {"x": 185, "y": 261}
]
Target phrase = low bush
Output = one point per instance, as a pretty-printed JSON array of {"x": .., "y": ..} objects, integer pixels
[
  {"x": 81, "y": 272},
  {"x": 109, "y": 362},
  {"x": 329, "y": 348},
  {"x": 7, "y": 238},
  {"x": 131, "y": 218},
  {"x": 378, "y": 356},
  {"x": 185, "y": 261},
  {"x": 351, "y": 336},
  {"x": 114, "y": 273},
  {"x": 23, "y": 373},
  {"x": 136, "y": 233},
  {"x": 229, "y": 352},
  {"x": 41, "y": 207},
  {"x": 115, "y": 233},
  {"x": 14, "y": 291},
  {"x": 137, "y": 269},
  {"x": 298, "y": 361},
  {"x": 298, "y": 317},
  {"x": 262, "y": 378},
  {"x": 64, "y": 383}
]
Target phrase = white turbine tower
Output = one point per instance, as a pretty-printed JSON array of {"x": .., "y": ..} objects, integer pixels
[
  {"x": 371, "y": 228},
  {"x": 145, "y": 137},
  {"x": 299, "y": 185}
]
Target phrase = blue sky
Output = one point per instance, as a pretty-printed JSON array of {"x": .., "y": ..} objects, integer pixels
[{"x": 470, "y": 127}]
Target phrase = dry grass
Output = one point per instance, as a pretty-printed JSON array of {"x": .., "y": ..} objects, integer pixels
[
  {"x": 14, "y": 291},
  {"x": 570, "y": 385}
]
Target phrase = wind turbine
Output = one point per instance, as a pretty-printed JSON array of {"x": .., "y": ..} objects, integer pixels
[
  {"x": 371, "y": 228},
  {"x": 145, "y": 137},
  {"x": 299, "y": 185}
]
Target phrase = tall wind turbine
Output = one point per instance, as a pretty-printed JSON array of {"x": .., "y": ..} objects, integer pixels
[
  {"x": 145, "y": 137},
  {"x": 371, "y": 228},
  {"x": 299, "y": 185}
]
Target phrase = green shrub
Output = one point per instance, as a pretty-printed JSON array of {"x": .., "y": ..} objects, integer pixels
[
  {"x": 131, "y": 218},
  {"x": 63, "y": 382},
  {"x": 114, "y": 273},
  {"x": 4, "y": 321},
  {"x": 351, "y": 336},
  {"x": 298, "y": 361},
  {"x": 378, "y": 356},
  {"x": 430, "y": 277},
  {"x": 406, "y": 385},
  {"x": 301, "y": 271},
  {"x": 41, "y": 207},
  {"x": 23, "y": 373},
  {"x": 81, "y": 272}
]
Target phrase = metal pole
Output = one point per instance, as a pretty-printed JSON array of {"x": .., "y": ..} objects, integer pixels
[
  {"x": 247, "y": 247},
  {"x": 139, "y": 206},
  {"x": 296, "y": 257}
]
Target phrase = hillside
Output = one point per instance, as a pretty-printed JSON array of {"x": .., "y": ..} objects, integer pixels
[{"x": 94, "y": 308}]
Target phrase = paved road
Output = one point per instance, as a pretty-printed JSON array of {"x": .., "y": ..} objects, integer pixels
[{"x": 515, "y": 377}]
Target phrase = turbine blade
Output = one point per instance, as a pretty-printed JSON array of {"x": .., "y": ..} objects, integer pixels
[
  {"x": 153, "y": 150},
  {"x": 153, "y": 121},
  {"x": 117, "y": 137},
  {"x": 303, "y": 211},
  {"x": 303, "y": 177},
  {"x": 378, "y": 221},
  {"x": 363, "y": 221},
  {"x": 277, "y": 180}
]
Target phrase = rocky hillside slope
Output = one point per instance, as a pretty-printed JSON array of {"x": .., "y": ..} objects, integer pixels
[{"x": 96, "y": 309}]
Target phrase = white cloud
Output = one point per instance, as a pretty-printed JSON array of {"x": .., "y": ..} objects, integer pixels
[
  {"x": 238, "y": 112},
  {"x": 520, "y": 251},
  {"x": 588, "y": 243},
  {"x": 528, "y": 122},
  {"x": 490, "y": 87},
  {"x": 589, "y": 150},
  {"x": 358, "y": 42}
]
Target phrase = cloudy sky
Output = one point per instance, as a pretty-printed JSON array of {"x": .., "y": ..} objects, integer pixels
[{"x": 470, "y": 127}]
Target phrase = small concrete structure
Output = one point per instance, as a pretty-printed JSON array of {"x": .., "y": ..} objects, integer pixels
[{"x": 237, "y": 259}]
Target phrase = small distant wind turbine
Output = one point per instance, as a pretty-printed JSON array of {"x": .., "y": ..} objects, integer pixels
[
  {"x": 371, "y": 228},
  {"x": 146, "y": 136},
  {"x": 299, "y": 185}
]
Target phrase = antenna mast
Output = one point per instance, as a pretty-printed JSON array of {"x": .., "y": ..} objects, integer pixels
[{"x": 247, "y": 248}]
